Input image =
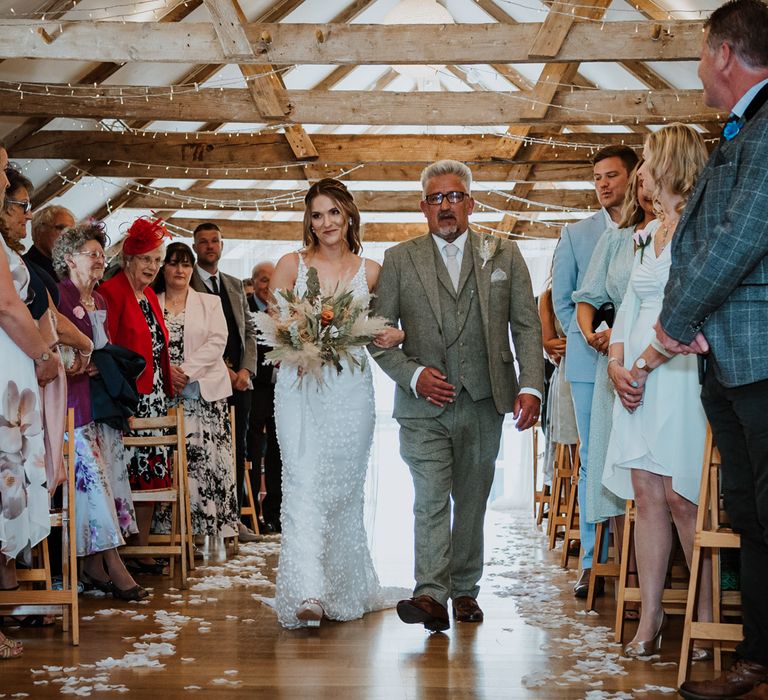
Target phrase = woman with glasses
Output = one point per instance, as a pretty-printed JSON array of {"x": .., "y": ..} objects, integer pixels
[
  {"x": 325, "y": 435},
  {"x": 135, "y": 321},
  {"x": 197, "y": 329},
  {"x": 104, "y": 507}
]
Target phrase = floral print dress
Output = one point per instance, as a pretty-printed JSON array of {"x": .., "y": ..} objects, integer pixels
[
  {"x": 209, "y": 450},
  {"x": 24, "y": 502},
  {"x": 148, "y": 466}
]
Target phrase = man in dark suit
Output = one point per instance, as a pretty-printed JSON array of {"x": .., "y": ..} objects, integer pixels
[
  {"x": 262, "y": 435},
  {"x": 716, "y": 302},
  {"x": 47, "y": 225},
  {"x": 240, "y": 351}
]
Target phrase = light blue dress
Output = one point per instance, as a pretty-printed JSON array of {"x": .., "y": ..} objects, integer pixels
[{"x": 606, "y": 281}]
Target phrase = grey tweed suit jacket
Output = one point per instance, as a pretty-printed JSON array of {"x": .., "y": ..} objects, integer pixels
[
  {"x": 718, "y": 283},
  {"x": 407, "y": 292}
]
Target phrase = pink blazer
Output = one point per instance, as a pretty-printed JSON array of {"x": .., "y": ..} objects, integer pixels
[{"x": 205, "y": 336}]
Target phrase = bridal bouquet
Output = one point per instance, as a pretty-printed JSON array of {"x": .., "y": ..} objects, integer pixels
[{"x": 314, "y": 330}]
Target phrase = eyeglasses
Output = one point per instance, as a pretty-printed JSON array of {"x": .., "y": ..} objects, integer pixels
[
  {"x": 149, "y": 260},
  {"x": 25, "y": 204},
  {"x": 437, "y": 197},
  {"x": 94, "y": 254}
]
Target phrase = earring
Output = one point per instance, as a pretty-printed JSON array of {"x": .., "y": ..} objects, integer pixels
[
  {"x": 311, "y": 229},
  {"x": 350, "y": 220}
]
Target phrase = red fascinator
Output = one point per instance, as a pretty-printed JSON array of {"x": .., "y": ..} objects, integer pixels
[{"x": 144, "y": 235}]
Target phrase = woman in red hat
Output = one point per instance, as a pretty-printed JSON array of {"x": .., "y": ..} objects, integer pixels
[{"x": 135, "y": 321}]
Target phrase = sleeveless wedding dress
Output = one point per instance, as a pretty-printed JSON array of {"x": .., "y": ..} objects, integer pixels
[{"x": 325, "y": 434}]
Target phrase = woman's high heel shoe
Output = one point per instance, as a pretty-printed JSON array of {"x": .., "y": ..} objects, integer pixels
[
  {"x": 646, "y": 648},
  {"x": 89, "y": 583},
  {"x": 310, "y": 612}
]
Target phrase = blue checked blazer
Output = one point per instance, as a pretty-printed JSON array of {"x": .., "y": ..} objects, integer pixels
[{"x": 718, "y": 283}]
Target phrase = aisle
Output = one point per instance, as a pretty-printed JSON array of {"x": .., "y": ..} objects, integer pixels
[{"x": 217, "y": 640}]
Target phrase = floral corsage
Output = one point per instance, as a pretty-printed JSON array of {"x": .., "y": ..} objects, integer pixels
[
  {"x": 489, "y": 248},
  {"x": 641, "y": 237}
]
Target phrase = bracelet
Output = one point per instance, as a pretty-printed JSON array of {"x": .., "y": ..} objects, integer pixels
[
  {"x": 612, "y": 359},
  {"x": 86, "y": 354}
]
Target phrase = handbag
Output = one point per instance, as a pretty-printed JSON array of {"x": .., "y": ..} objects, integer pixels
[{"x": 605, "y": 314}]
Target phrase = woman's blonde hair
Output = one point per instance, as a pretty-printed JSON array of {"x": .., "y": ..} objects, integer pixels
[
  {"x": 632, "y": 212},
  {"x": 676, "y": 155},
  {"x": 338, "y": 192}
]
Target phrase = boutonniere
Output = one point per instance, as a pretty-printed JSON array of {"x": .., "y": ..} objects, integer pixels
[
  {"x": 489, "y": 249},
  {"x": 732, "y": 128},
  {"x": 642, "y": 238},
  {"x": 79, "y": 312}
]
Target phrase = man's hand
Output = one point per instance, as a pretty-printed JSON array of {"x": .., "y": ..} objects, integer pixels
[
  {"x": 526, "y": 411},
  {"x": 600, "y": 341},
  {"x": 432, "y": 386},
  {"x": 240, "y": 382},
  {"x": 698, "y": 346}
]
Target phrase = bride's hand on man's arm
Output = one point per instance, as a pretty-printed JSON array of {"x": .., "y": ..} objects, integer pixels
[{"x": 389, "y": 337}]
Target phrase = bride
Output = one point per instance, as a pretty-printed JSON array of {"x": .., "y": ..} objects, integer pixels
[{"x": 325, "y": 434}]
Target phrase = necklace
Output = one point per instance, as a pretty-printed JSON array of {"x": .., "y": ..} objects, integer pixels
[
  {"x": 88, "y": 303},
  {"x": 666, "y": 230}
]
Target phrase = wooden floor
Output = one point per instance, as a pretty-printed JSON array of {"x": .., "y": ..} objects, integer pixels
[{"x": 218, "y": 640}]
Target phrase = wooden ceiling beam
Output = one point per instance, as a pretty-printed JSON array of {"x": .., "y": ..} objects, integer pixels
[
  {"x": 234, "y": 150},
  {"x": 288, "y": 44},
  {"x": 625, "y": 107},
  {"x": 487, "y": 172},
  {"x": 395, "y": 201},
  {"x": 238, "y": 229}
]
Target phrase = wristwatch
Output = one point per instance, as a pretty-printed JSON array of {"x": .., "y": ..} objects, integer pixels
[
  {"x": 43, "y": 358},
  {"x": 640, "y": 363}
]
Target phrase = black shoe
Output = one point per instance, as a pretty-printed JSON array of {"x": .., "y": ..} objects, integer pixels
[{"x": 581, "y": 588}]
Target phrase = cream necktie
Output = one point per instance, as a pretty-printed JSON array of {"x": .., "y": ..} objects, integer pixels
[{"x": 452, "y": 263}]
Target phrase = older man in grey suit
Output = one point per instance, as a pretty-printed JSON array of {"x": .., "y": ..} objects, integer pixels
[
  {"x": 240, "y": 353},
  {"x": 457, "y": 296},
  {"x": 611, "y": 167},
  {"x": 716, "y": 300}
]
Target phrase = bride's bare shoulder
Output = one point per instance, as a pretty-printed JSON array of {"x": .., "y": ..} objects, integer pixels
[
  {"x": 286, "y": 270},
  {"x": 372, "y": 270}
]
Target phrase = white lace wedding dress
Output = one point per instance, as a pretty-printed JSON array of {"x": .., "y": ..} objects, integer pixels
[{"x": 325, "y": 434}]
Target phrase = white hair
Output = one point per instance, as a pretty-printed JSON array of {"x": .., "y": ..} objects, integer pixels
[{"x": 446, "y": 167}]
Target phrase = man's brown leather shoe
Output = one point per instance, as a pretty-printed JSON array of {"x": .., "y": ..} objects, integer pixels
[
  {"x": 426, "y": 610},
  {"x": 466, "y": 609},
  {"x": 759, "y": 692},
  {"x": 742, "y": 677}
]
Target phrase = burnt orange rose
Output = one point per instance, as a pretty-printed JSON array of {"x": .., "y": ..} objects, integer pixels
[{"x": 326, "y": 315}]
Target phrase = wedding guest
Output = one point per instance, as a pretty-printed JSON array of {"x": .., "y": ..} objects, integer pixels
[
  {"x": 103, "y": 502},
  {"x": 460, "y": 296},
  {"x": 262, "y": 434},
  {"x": 716, "y": 302},
  {"x": 559, "y": 422},
  {"x": 611, "y": 167},
  {"x": 28, "y": 364},
  {"x": 47, "y": 225},
  {"x": 605, "y": 283},
  {"x": 197, "y": 332},
  {"x": 656, "y": 446},
  {"x": 325, "y": 435},
  {"x": 135, "y": 321},
  {"x": 240, "y": 353}
]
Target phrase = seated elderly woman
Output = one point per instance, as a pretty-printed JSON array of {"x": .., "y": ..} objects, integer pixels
[
  {"x": 27, "y": 364},
  {"x": 198, "y": 335},
  {"x": 135, "y": 321},
  {"x": 104, "y": 507}
]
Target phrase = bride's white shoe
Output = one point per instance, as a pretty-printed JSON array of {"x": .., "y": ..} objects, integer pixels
[{"x": 310, "y": 612}]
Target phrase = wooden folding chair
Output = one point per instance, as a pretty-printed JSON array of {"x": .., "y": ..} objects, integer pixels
[
  {"x": 46, "y": 601},
  {"x": 566, "y": 465},
  {"x": 712, "y": 534},
  {"x": 610, "y": 568},
  {"x": 179, "y": 543}
]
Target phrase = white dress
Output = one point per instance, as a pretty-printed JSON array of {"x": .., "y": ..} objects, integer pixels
[
  {"x": 24, "y": 502},
  {"x": 665, "y": 434},
  {"x": 325, "y": 434}
]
